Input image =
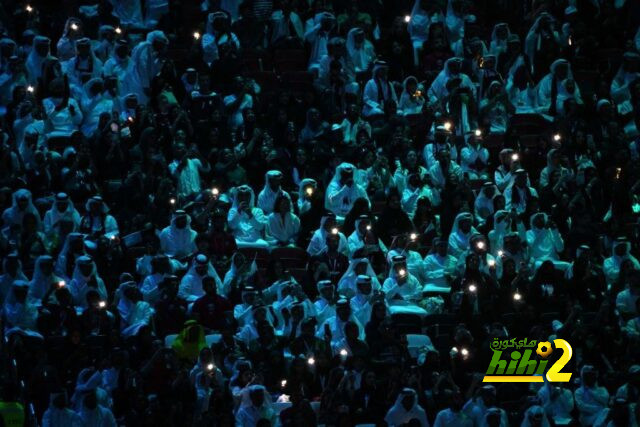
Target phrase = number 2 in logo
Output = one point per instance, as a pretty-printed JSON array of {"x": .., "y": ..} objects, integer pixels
[{"x": 554, "y": 374}]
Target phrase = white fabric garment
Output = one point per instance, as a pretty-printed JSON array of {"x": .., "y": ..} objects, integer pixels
[
  {"x": 41, "y": 283},
  {"x": 544, "y": 88},
  {"x": 303, "y": 201},
  {"x": 93, "y": 107},
  {"x": 458, "y": 240},
  {"x": 317, "y": 38},
  {"x": 339, "y": 197},
  {"x": 283, "y": 229},
  {"x": 373, "y": 103},
  {"x": 145, "y": 63},
  {"x": 438, "y": 89},
  {"x": 318, "y": 242},
  {"x": 176, "y": 242},
  {"x": 590, "y": 401},
  {"x": 190, "y": 288},
  {"x": 79, "y": 285},
  {"x": 61, "y": 122},
  {"x": 361, "y": 56},
  {"x": 347, "y": 285},
  {"x": 398, "y": 415},
  {"x": 34, "y": 61},
  {"x": 436, "y": 268},
  {"x": 483, "y": 205},
  {"x": 411, "y": 103},
  {"x": 267, "y": 197},
  {"x": 53, "y": 216},
  {"x": 14, "y": 214},
  {"x": 98, "y": 417},
  {"x": 544, "y": 243},
  {"x": 7, "y": 279},
  {"x": 247, "y": 229},
  {"x": 189, "y": 181},
  {"x": 611, "y": 265}
]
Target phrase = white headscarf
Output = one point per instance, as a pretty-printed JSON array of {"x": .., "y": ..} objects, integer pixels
[
  {"x": 362, "y": 56},
  {"x": 347, "y": 285},
  {"x": 398, "y": 415},
  {"x": 14, "y": 215},
  {"x": 459, "y": 241},
  {"x": 178, "y": 242}
]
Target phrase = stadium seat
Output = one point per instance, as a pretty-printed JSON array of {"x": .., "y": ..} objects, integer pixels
[{"x": 416, "y": 342}]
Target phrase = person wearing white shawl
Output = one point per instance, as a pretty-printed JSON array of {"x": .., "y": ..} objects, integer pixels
[
  {"x": 361, "y": 303},
  {"x": 243, "y": 312},
  {"x": 440, "y": 141},
  {"x": 62, "y": 209},
  {"x": 438, "y": 267},
  {"x": 519, "y": 192},
  {"x": 285, "y": 23},
  {"x": 542, "y": 28},
  {"x": 11, "y": 271},
  {"x": 240, "y": 272},
  {"x": 556, "y": 401},
  {"x": 561, "y": 75},
  {"x": 502, "y": 221},
  {"x": 474, "y": 157},
  {"x": 118, "y": 63},
  {"x": 343, "y": 191},
  {"x": 411, "y": 99},
  {"x": 305, "y": 191},
  {"x": 259, "y": 408},
  {"x": 620, "y": 252},
  {"x": 73, "y": 248},
  {"x": 39, "y": 52},
  {"x": 150, "y": 288},
  {"x": 627, "y": 74},
  {"x": 58, "y": 414},
  {"x": 499, "y": 37},
  {"x": 554, "y": 156},
  {"x": 84, "y": 64},
  {"x": 318, "y": 242},
  {"x": 317, "y": 35},
  {"x": 19, "y": 312},
  {"x": 89, "y": 380},
  {"x": 43, "y": 278},
  {"x": 452, "y": 69},
  {"x": 544, "y": 241},
  {"x": 405, "y": 245},
  {"x": 360, "y": 50},
  {"x": 483, "y": 205},
  {"x": 335, "y": 324},
  {"x": 147, "y": 59},
  {"x": 66, "y": 46},
  {"x": 272, "y": 189},
  {"x": 85, "y": 277},
  {"x": 461, "y": 233},
  {"x": 590, "y": 398},
  {"x": 324, "y": 307},
  {"x": 479, "y": 407},
  {"x": 419, "y": 25},
  {"x": 178, "y": 239},
  {"x": 135, "y": 313},
  {"x": 94, "y": 414},
  {"x": 94, "y": 104},
  {"x": 63, "y": 114},
  {"x": 246, "y": 221},
  {"x": 352, "y": 125},
  {"x": 129, "y": 105},
  {"x": 348, "y": 284},
  {"x": 283, "y": 225},
  {"x": 535, "y": 416},
  {"x": 21, "y": 203},
  {"x": 378, "y": 91},
  {"x": 191, "y": 284},
  {"x": 406, "y": 409},
  {"x": 97, "y": 220},
  {"x": 521, "y": 90},
  {"x": 217, "y": 34},
  {"x": 442, "y": 172},
  {"x": 358, "y": 239},
  {"x": 401, "y": 284}
]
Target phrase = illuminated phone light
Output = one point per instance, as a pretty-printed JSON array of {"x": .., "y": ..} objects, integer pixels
[
  {"x": 557, "y": 137},
  {"x": 311, "y": 361},
  {"x": 344, "y": 353},
  {"x": 172, "y": 201},
  {"x": 210, "y": 367},
  {"x": 491, "y": 263},
  {"x": 283, "y": 383},
  {"x": 30, "y": 89},
  {"x": 61, "y": 284},
  {"x": 102, "y": 304},
  {"x": 368, "y": 227},
  {"x": 309, "y": 191},
  {"x": 334, "y": 230},
  {"x": 478, "y": 132},
  {"x": 515, "y": 157},
  {"x": 74, "y": 26},
  {"x": 118, "y": 30},
  {"x": 215, "y": 191},
  {"x": 28, "y": 8},
  {"x": 500, "y": 253},
  {"x": 407, "y": 18},
  {"x": 196, "y": 35},
  {"x": 480, "y": 245},
  {"x": 402, "y": 272},
  {"x": 472, "y": 288},
  {"x": 517, "y": 296},
  {"x": 413, "y": 236},
  {"x": 447, "y": 126},
  {"x": 464, "y": 352}
]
